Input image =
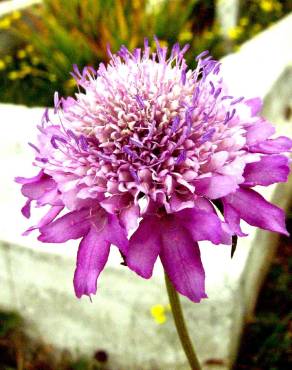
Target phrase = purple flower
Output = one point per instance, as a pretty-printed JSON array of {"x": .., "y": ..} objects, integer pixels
[{"x": 148, "y": 146}]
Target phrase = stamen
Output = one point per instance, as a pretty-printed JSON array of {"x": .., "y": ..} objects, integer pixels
[
  {"x": 34, "y": 147},
  {"x": 182, "y": 157},
  {"x": 212, "y": 87},
  {"x": 175, "y": 124},
  {"x": 129, "y": 152},
  {"x": 56, "y": 138},
  {"x": 227, "y": 97},
  {"x": 207, "y": 136},
  {"x": 83, "y": 143},
  {"x": 217, "y": 93},
  {"x": 202, "y": 54},
  {"x": 237, "y": 100},
  {"x": 136, "y": 142},
  {"x": 140, "y": 101}
]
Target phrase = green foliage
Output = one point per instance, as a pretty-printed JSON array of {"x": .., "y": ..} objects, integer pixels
[
  {"x": 64, "y": 32},
  {"x": 9, "y": 321},
  {"x": 56, "y": 34}
]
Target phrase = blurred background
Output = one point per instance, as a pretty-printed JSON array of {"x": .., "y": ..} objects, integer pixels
[{"x": 39, "y": 43}]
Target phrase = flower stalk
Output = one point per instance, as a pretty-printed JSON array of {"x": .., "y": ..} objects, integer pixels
[{"x": 181, "y": 325}]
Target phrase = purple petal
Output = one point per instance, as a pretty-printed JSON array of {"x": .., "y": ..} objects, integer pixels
[
  {"x": 180, "y": 257},
  {"x": 272, "y": 146},
  {"x": 25, "y": 210},
  {"x": 216, "y": 186},
  {"x": 258, "y": 132},
  {"x": 29, "y": 180},
  {"x": 34, "y": 190},
  {"x": 256, "y": 211},
  {"x": 48, "y": 217},
  {"x": 116, "y": 202},
  {"x": 255, "y": 104},
  {"x": 129, "y": 217},
  {"x": 144, "y": 247},
  {"x": 73, "y": 225},
  {"x": 202, "y": 225},
  {"x": 91, "y": 258},
  {"x": 115, "y": 234},
  {"x": 232, "y": 219},
  {"x": 269, "y": 170}
]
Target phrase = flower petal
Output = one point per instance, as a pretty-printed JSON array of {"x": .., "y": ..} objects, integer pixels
[
  {"x": 232, "y": 219},
  {"x": 129, "y": 217},
  {"x": 216, "y": 186},
  {"x": 91, "y": 258},
  {"x": 256, "y": 211},
  {"x": 48, "y": 217},
  {"x": 25, "y": 210},
  {"x": 201, "y": 224},
  {"x": 272, "y": 146},
  {"x": 255, "y": 104},
  {"x": 116, "y": 234},
  {"x": 180, "y": 257},
  {"x": 259, "y": 131},
  {"x": 73, "y": 225},
  {"x": 34, "y": 190},
  {"x": 29, "y": 180},
  {"x": 269, "y": 170},
  {"x": 144, "y": 247}
]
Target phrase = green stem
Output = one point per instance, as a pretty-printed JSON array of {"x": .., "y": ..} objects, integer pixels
[{"x": 181, "y": 325}]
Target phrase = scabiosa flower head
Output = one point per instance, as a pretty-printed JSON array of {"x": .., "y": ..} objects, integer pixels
[{"x": 151, "y": 146}]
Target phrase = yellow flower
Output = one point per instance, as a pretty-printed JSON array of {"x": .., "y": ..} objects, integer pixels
[
  {"x": 35, "y": 60},
  {"x": 5, "y": 23},
  {"x": 15, "y": 15},
  {"x": 21, "y": 54},
  {"x": 267, "y": 5},
  {"x": 158, "y": 313},
  {"x": 25, "y": 70},
  {"x": 243, "y": 21},
  {"x": 29, "y": 48},
  {"x": 2, "y": 65},
  {"x": 14, "y": 75},
  {"x": 234, "y": 32},
  {"x": 185, "y": 36}
]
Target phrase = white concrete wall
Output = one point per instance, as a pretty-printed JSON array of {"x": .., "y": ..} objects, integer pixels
[
  {"x": 7, "y": 7},
  {"x": 36, "y": 279}
]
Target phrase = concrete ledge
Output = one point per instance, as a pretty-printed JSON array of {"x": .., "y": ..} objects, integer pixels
[
  {"x": 7, "y": 7},
  {"x": 36, "y": 279}
]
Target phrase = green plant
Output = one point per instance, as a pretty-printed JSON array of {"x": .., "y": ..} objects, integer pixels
[{"x": 61, "y": 33}]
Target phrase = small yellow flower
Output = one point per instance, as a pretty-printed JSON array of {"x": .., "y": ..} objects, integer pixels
[
  {"x": 5, "y": 23},
  {"x": 29, "y": 48},
  {"x": 35, "y": 60},
  {"x": 26, "y": 69},
  {"x": 185, "y": 36},
  {"x": 158, "y": 313},
  {"x": 267, "y": 5},
  {"x": 2, "y": 65},
  {"x": 21, "y": 54},
  {"x": 234, "y": 32},
  {"x": 13, "y": 75},
  {"x": 243, "y": 21},
  {"x": 15, "y": 15}
]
